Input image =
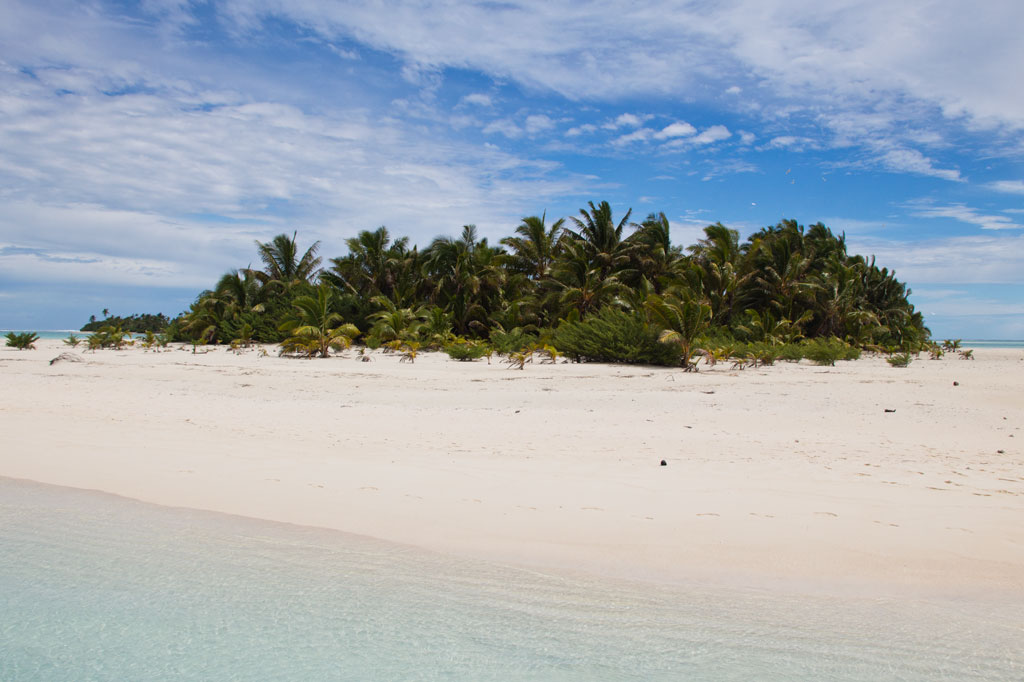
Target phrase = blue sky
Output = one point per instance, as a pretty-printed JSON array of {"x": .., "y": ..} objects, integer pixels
[{"x": 145, "y": 145}]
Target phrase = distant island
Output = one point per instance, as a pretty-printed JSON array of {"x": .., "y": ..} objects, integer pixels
[{"x": 591, "y": 288}]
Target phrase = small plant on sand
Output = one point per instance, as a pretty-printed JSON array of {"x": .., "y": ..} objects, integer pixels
[
  {"x": 764, "y": 354},
  {"x": 72, "y": 341},
  {"x": 518, "y": 359},
  {"x": 967, "y": 354},
  {"x": 409, "y": 351},
  {"x": 935, "y": 352},
  {"x": 951, "y": 345},
  {"x": 549, "y": 354},
  {"x": 244, "y": 338},
  {"x": 22, "y": 340},
  {"x": 149, "y": 340},
  {"x": 466, "y": 351},
  {"x": 899, "y": 359}
]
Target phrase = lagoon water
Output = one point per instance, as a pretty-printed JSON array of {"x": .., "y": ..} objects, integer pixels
[{"x": 96, "y": 587}]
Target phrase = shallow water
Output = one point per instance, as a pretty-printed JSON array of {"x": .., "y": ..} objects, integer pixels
[{"x": 96, "y": 587}]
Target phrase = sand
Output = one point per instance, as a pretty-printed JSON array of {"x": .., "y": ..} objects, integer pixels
[{"x": 792, "y": 476}]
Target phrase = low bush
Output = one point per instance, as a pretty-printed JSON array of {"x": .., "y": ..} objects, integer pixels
[
  {"x": 466, "y": 352},
  {"x": 612, "y": 335},
  {"x": 825, "y": 351},
  {"x": 899, "y": 359},
  {"x": 22, "y": 340}
]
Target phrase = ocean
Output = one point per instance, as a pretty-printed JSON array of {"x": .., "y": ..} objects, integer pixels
[{"x": 98, "y": 587}]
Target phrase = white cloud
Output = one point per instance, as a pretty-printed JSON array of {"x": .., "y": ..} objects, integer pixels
[
  {"x": 1008, "y": 186},
  {"x": 963, "y": 213},
  {"x": 586, "y": 128},
  {"x": 913, "y": 161},
  {"x": 713, "y": 134},
  {"x": 538, "y": 123},
  {"x": 112, "y": 180},
  {"x": 977, "y": 259},
  {"x": 640, "y": 135},
  {"x": 824, "y": 60},
  {"x": 677, "y": 129},
  {"x": 789, "y": 142},
  {"x": 626, "y": 121},
  {"x": 504, "y": 126},
  {"x": 477, "y": 98}
]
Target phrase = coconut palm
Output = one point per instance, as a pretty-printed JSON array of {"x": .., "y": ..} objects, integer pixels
[
  {"x": 681, "y": 322},
  {"x": 718, "y": 271},
  {"x": 282, "y": 262},
  {"x": 535, "y": 246},
  {"x": 392, "y": 323},
  {"x": 601, "y": 238},
  {"x": 315, "y": 328}
]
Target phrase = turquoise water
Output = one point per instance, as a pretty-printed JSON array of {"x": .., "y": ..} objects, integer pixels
[
  {"x": 992, "y": 344},
  {"x": 50, "y": 333},
  {"x": 95, "y": 587}
]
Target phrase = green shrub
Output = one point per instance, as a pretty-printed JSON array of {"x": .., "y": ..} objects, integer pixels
[
  {"x": 791, "y": 352},
  {"x": 511, "y": 341},
  {"x": 899, "y": 359},
  {"x": 825, "y": 351},
  {"x": 763, "y": 353},
  {"x": 466, "y": 352},
  {"x": 22, "y": 340},
  {"x": 614, "y": 336}
]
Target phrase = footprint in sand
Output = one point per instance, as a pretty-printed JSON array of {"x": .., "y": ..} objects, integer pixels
[
  {"x": 368, "y": 487},
  {"x": 708, "y": 514},
  {"x": 826, "y": 513},
  {"x": 591, "y": 509}
]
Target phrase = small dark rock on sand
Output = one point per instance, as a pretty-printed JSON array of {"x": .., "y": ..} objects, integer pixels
[{"x": 664, "y": 463}]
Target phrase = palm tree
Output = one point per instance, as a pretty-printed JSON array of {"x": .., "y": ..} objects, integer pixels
[
  {"x": 655, "y": 259},
  {"x": 681, "y": 322},
  {"x": 282, "y": 263},
  {"x": 535, "y": 246},
  {"x": 315, "y": 327},
  {"x": 374, "y": 265},
  {"x": 579, "y": 287},
  {"x": 392, "y": 323},
  {"x": 465, "y": 274},
  {"x": 717, "y": 271},
  {"x": 601, "y": 237}
]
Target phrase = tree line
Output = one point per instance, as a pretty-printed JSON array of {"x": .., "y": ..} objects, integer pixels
[{"x": 556, "y": 284}]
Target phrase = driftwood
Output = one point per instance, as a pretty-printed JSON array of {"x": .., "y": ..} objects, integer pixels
[{"x": 67, "y": 357}]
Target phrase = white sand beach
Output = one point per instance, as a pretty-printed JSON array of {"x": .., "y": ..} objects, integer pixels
[{"x": 792, "y": 475}]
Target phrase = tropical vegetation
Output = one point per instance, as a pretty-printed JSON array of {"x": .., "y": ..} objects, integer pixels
[
  {"x": 22, "y": 340},
  {"x": 591, "y": 287}
]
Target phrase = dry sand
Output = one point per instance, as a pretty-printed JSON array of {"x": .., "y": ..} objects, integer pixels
[{"x": 793, "y": 475}]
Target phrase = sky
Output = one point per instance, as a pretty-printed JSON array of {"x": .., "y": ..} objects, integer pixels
[{"x": 145, "y": 146}]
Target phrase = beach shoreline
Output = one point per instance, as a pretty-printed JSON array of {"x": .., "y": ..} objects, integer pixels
[{"x": 786, "y": 477}]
